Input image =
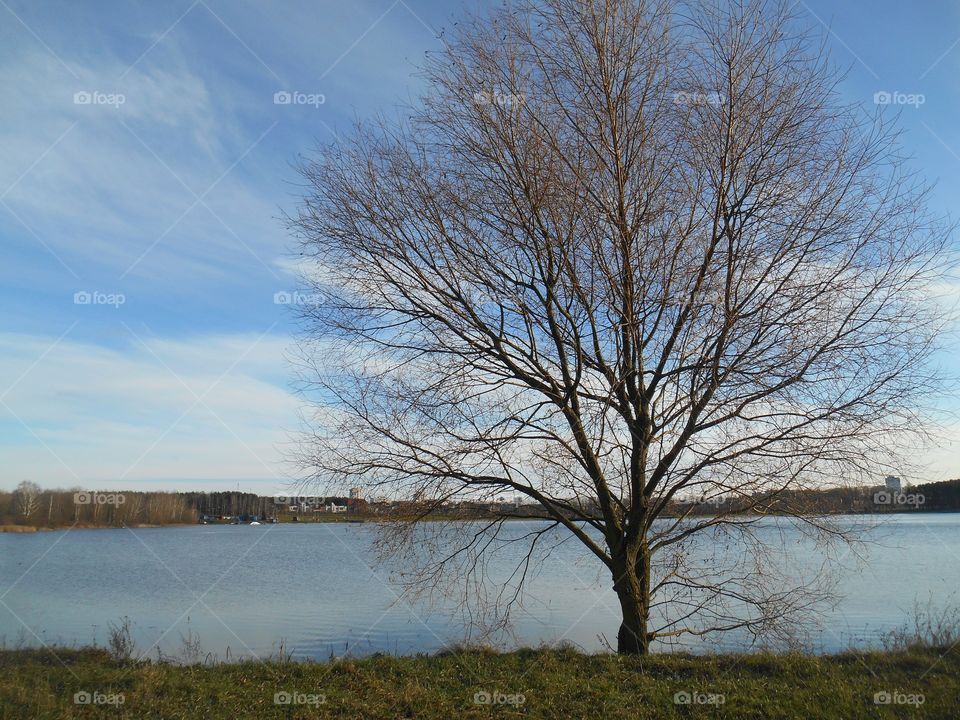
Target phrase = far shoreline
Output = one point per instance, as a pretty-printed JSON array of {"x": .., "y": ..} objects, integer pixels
[{"x": 375, "y": 520}]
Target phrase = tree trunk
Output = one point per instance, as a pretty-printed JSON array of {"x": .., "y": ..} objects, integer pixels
[
  {"x": 632, "y": 585},
  {"x": 632, "y": 637}
]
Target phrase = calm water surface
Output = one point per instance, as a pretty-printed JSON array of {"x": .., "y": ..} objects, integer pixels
[{"x": 316, "y": 589}]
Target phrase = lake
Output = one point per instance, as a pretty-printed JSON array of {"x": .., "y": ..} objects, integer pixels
[{"x": 239, "y": 591}]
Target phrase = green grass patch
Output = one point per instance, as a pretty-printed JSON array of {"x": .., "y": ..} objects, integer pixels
[{"x": 39, "y": 684}]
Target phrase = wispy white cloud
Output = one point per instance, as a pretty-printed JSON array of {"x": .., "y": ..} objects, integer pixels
[
  {"x": 104, "y": 181},
  {"x": 130, "y": 415}
]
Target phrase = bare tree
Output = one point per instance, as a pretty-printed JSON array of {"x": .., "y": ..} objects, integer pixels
[
  {"x": 629, "y": 260},
  {"x": 28, "y": 498}
]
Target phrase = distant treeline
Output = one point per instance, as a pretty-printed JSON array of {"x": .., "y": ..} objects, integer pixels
[
  {"x": 939, "y": 496},
  {"x": 30, "y": 506},
  {"x": 929, "y": 497}
]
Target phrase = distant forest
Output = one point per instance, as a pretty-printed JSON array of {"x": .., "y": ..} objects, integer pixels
[
  {"x": 30, "y": 506},
  {"x": 929, "y": 497}
]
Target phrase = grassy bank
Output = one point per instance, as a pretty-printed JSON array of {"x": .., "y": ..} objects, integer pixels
[{"x": 543, "y": 684}]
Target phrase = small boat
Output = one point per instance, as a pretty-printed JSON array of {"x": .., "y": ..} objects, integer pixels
[{"x": 254, "y": 523}]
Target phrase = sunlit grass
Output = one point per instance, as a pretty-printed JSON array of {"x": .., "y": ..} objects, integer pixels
[{"x": 481, "y": 683}]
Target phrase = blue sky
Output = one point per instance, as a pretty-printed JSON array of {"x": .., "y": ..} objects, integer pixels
[{"x": 146, "y": 160}]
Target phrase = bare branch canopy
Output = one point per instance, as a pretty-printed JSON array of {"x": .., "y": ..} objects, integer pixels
[{"x": 622, "y": 254}]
